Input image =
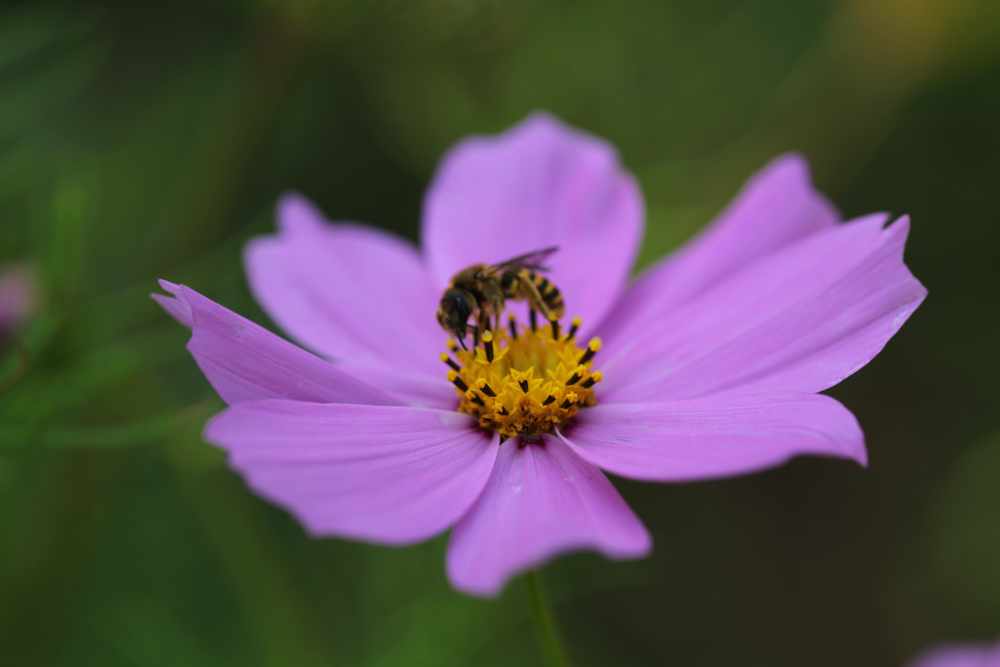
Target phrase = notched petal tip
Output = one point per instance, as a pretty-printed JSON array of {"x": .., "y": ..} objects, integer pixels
[
  {"x": 714, "y": 437},
  {"x": 176, "y": 305}
]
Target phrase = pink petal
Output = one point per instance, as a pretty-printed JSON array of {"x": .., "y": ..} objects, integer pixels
[
  {"x": 682, "y": 441},
  {"x": 346, "y": 291},
  {"x": 541, "y": 501},
  {"x": 393, "y": 475},
  {"x": 246, "y": 362},
  {"x": 800, "y": 320},
  {"x": 959, "y": 655},
  {"x": 19, "y": 295},
  {"x": 538, "y": 185},
  {"x": 412, "y": 387},
  {"x": 777, "y": 206},
  {"x": 177, "y": 307}
]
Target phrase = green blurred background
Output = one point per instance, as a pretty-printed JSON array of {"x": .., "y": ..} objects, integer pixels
[{"x": 147, "y": 139}]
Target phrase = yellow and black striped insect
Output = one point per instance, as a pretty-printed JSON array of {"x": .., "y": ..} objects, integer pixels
[{"x": 482, "y": 289}]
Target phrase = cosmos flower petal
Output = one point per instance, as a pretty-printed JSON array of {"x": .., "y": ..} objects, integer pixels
[
  {"x": 19, "y": 295},
  {"x": 538, "y": 185},
  {"x": 411, "y": 387},
  {"x": 346, "y": 291},
  {"x": 244, "y": 361},
  {"x": 541, "y": 501},
  {"x": 802, "y": 319},
  {"x": 777, "y": 206},
  {"x": 392, "y": 475},
  {"x": 959, "y": 655},
  {"x": 682, "y": 441}
]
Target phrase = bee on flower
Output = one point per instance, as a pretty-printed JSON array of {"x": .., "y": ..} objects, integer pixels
[{"x": 708, "y": 365}]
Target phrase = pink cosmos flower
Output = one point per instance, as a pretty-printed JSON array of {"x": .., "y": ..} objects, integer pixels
[
  {"x": 710, "y": 362},
  {"x": 18, "y": 296},
  {"x": 959, "y": 655}
]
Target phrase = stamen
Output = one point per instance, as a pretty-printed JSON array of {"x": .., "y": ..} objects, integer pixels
[
  {"x": 446, "y": 359},
  {"x": 589, "y": 382},
  {"x": 475, "y": 337},
  {"x": 524, "y": 381},
  {"x": 577, "y": 374},
  {"x": 451, "y": 344},
  {"x": 576, "y": 325},
  {"x": 592, "y": 348},
  {"x": 570, "y": 400},
  {"x": 488, "y": 345},
  {"x": 532, "y": 319},
  {"x": 457, "y": 381}
]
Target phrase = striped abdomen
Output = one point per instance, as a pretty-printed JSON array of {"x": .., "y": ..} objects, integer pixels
[{"x": 537, "y": 290}]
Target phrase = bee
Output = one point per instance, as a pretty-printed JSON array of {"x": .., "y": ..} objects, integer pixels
[{"x": 482, "y": 290}]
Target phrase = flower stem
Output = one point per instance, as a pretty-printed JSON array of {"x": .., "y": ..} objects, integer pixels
[
  {"x": 23, "y": 362},
  {"x": 544, "y": 621}
]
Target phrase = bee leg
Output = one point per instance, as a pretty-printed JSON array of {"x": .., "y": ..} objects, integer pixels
[
  {"x": 475, "y": 337},
  {"x": 532, "y": 319},
  {"x": 485, "y": 324},
  {"x": 529, "y": 291}
]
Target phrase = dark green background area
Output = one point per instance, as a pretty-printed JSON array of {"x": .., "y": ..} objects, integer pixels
[{"x": 143, "y": 140}]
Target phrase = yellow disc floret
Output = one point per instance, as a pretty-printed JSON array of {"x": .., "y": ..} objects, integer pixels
[{"x": 524, "y": 382}]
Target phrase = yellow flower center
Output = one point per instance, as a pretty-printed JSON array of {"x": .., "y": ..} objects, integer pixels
[{"x": 524, "y": 381}]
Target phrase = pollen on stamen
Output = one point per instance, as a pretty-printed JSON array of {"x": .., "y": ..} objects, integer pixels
[
  {"x": 488, "y": 345},
  {"x": 448, "y": 360},
  {"x": 576, "y": 325},
  {"x": 524, "y": 380},
  {"x": 593, "y": 347}
]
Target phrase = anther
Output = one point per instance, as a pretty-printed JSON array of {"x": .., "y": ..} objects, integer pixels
[
  {"x": 550, "y": 400},
  {"x": 523, "y": 382},
  {"x": 475, "y": 398},
  {"x": 452, "y": 345},
  {"x": 485, "y": 388},
  {"x": 589, "y": 382},
  {"x": 488, "y": 345},
  {"x": 500, "y": 410},
  {"x": 592, "y": 349},
  {"x": 513, "y": 328},
  {"x": 555, "y": 329},
  {"x": 577, "y": 375},
  {"x": 533, "y": 319},
  {"x": 572, "y": 330},
  {"x": 570, "y": 400},
  {"x": 446, "y": 359},
  {"x": 457, "y": 381}
]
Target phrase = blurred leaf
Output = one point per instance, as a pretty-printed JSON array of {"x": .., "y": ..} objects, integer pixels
[{"x": 967, "y": 534}]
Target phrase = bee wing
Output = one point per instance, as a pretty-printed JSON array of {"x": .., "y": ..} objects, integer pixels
[{"x": 530, "y": 260}]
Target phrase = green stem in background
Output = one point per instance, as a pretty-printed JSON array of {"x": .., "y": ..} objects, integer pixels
[
  {"x": 20, "y": 369},
  {"x": 553, "y": 650}
]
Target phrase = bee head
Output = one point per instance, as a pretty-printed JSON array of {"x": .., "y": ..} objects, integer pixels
[{"x": 454, "y": 310}]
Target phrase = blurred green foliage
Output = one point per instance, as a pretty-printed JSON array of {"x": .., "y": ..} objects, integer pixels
[{"x": 145, "y": 140}]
